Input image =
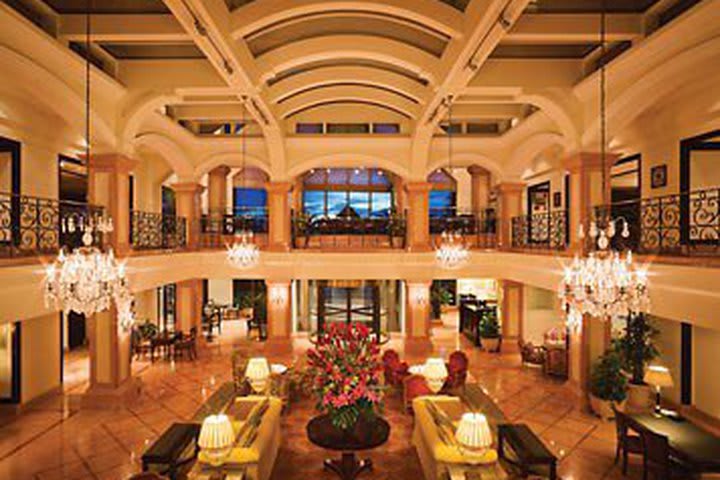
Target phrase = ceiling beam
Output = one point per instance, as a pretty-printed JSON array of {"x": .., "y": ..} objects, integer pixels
[
  {"x": 124, "y": 28},
  {"x": 208, "y": 23},
  {"x": 574, "y": 28}
]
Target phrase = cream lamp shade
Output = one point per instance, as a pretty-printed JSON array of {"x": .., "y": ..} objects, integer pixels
[
  {"x": 435, "y": 373},
  {"x": 216, "y": 438},
  {"x": 658, "y": 376},
  {"x": 473, "y": 432},
  {"x": 258, "y": 373}
]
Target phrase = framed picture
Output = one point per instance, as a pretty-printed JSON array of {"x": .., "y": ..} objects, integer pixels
[
  {"x": 658, "y": 176},
  {"x": 557, "y": 200}
]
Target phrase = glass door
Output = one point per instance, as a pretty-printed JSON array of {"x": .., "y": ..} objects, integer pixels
[{"x": 345, "y": 302}]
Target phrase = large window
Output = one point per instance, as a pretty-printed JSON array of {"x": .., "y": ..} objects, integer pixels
[
  {"x": 250, "y": 201},
  {"x": 442, "y": 198},
  {"x": 347, "y": 192}
]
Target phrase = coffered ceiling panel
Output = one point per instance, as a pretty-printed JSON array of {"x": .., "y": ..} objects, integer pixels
[
  {"x": 345, "y": 63},
  {"x": 147, "y": 51},
  {"x": 108, "y": 6},
  {"x": 543, "y": 50},
  {"x": 587, "y": 6}
]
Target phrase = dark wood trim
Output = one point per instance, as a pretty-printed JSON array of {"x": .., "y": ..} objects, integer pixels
[
  {"x": 16, "y": 370},
  {"x": 686, "y": 331},
  {"x": 687, "y": 145},
  {"x": 15, "y": 149}
]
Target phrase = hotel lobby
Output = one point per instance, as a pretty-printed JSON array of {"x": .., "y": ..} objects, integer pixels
[{"x": 391, "y": 239}]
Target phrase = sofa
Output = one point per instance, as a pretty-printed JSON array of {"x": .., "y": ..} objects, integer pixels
[
  {"x": 435, "y": 444},
  {"x": 256, "y": 447}
]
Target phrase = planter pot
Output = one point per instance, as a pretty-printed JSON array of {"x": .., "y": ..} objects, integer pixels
[
  {"x": 491, "y": 344},
  {"x": 603, "y": 408},
  {"x": 640, "y": 398},
  {"x": 246, "y": 313}
]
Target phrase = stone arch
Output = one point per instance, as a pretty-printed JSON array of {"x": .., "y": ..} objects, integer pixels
[
  {"x": 348, "y": 160},
  {"x": 169, "y": 150}
]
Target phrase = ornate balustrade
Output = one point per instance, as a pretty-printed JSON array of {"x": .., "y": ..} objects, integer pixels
[
  {"x": 149, "y": 231},
  {"x": 252, "y": 220},
  {"x": 35, "y": 225},
  {"x": 543, "y": 231},
  {"x": 685, "y": 224},
  {"x": 478, "y": 229},
  {"x": 348, "y": 232}
]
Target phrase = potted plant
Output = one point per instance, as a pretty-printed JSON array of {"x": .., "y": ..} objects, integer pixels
[
  {"x": 608, "y": 385},
  {"x": 636, "y": 349},
  {"x": 345, "y": 369},
  {"x": 302, "y": 222},
  {"x": 147, "y": 330},
  {"x": 439, "y": 296},
  {"x": 245, "y": 305},
  {"x": 396, "y": 228},
  {"x": 490, "y": 330}
]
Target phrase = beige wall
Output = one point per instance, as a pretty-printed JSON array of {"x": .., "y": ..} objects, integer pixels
[
  {"x": 221, "y": 291},
  {"x": 704, "y": 169},
  {"x": 706, "y": 358},
  {"x": 40, "y": 356},
  {"x": 146, "y": 305},
  {"x": 541, "y": 313},
  {"x": 669, "y": 343}
]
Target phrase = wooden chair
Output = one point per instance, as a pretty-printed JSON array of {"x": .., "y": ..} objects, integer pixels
[
  {"x": 626, "y": 442},
  {"x": 187, "y": 344},
  {"x": 147, "y": 476},
  {"x": 658, "y": 460}
]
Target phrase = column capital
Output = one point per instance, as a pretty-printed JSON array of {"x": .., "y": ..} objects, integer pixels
[
  {"x": 112, "y": 162},
  {"x": 589, "y": 161},
  {"x": 221, "y": 171},
  {"x": 418, "y": 186},
  {"x": 477, "y": 170},
  {"x": 187, "y": 187},
  {"x": 278, "y": 187},
  {"x": 510, "y": 187}
]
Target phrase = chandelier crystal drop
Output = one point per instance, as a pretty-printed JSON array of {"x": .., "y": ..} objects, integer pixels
[
  {"x": 244, "y": 253},
  {"x": 452, "y": 252}
]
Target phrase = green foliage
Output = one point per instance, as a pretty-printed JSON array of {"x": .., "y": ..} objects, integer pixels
[
  {"x": 439, "y": 296},
  {"x": 636, "y": 348},
  {"x": 147, "y": 330},
  {"x": 302, "y": 223},
  {"x": 396, "y": 224},
  {"x": 260, "y": 306},
  {"x": 246, "y": 300},
  {"x": 489, "y": 325},
  {"x": 607, "y": 381}
]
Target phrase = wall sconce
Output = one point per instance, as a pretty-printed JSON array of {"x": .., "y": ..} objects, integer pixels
[
  {"x": 278, "y": 295},
  {"x": 419, "y": 295}
]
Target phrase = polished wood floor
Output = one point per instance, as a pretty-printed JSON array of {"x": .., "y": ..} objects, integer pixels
[{"x": 56, "y": 440}]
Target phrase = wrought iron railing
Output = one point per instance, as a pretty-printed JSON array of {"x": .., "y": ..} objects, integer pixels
[
  {"x": 35, "y": 225},
  {"x": 348, "y": 232},
  {"x": 149, "y": 231},
  {"x": 253, "y": 219},
  {"x": 685, "y": 224},
  {"x": 544, "y": 231},
  {"x": 478, "y": 229}
]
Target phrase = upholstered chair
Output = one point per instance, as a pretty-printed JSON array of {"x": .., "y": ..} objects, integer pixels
[
  {"x": 393, "y": 368},
  {"x": 457, "y": 372},
  {"x": 414, "y": 386}
]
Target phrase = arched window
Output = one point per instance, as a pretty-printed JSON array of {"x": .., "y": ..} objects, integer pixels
[
  {"x": 348, "y": 192},
  {"x": 443, "y": 196}
]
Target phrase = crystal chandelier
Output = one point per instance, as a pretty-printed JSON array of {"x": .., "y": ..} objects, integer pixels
[
  {"x": 604, "y": 283},
  {"x": 452, "y": 252},
  {"x": 88, "y": 280},
  {"x": 244, "y": 253}
]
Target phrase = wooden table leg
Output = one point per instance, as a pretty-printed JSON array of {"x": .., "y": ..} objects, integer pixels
[{"x": 348, "y": 467}]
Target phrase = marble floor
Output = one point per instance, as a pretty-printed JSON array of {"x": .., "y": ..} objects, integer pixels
[{"x": 56, "y": 440}]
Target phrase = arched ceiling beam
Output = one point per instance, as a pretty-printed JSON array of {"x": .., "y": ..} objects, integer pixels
[
  {"x": 262, "y": 13},
  {"x": 342, "y": 47},
  {"x": 351, "y": 93},
  {"x": 351, "y": 101},
  {"x": 345, "y": 75}
]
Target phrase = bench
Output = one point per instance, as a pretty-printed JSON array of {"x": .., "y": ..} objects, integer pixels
[
  {"x": 169, "y": 450},
  {"x": 528, "y": 449}
]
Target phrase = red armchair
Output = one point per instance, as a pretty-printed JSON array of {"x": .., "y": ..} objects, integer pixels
[
  {"x": 414, "y": 386},
  {"x": 457, "y": 372},
  {"x": 395, "y": 370}
]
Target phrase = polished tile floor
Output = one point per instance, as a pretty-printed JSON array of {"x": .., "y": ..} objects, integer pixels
[{"x": 56, "y": 440}]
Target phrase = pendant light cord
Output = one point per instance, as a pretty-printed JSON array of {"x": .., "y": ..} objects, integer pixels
[
  {"x": 603, "y": 100},
  {"x": 87, "y": 80}
]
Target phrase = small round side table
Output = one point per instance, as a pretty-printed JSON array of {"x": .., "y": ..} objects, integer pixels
[{"x": 367, "y": 434}]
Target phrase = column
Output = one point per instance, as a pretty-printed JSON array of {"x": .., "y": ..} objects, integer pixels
[
  {"x": 111, "y": 380},
  {"x": 417, "y": 309},
  {"x": 217, "y": 194},
  {"x": 510, "y": 203},
  {"x": 278, "y": 216},
  {"x": 279, "y": 314},
  {"x": 418, "y": 216},
  {"x": 187, "y": 200},
  {"x": 189, "y": 303},
  {"x": 479, "y": 188},
  {"x": 399, "y": 191},
  {"x": 513, "y": 309},
  {"x": 109, "y": 187}
]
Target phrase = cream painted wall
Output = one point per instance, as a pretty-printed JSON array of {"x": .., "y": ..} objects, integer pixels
[
  {"x": 149, "y": 176},
  {"x": 668, "y": 343},
  {"x": 40, "y": 356},
  {"x": 5, "y": 172},
  {"x": 146, "y": 305},
  {"x": 484, "y": 288},
  {"x": 706, "y": 358},
  {"x": 221, "y": 291},
  {"x": 704, "y": 169},
  {"x": 541, "y": 313}
]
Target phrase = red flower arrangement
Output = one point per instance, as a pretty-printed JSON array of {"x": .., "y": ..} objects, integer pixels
[{"x": 345, "y": 369}]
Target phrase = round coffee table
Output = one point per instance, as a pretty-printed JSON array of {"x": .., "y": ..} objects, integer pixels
[{"x": 367, "y": 434}]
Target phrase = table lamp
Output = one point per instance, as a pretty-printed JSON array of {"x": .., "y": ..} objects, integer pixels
[
  {"x": 473, "y": 433},
  {"x": 216, "y": 438},
  {"x": 659, "y": 377},
  {"x": 435, "y": 373},
  {"x": 258, "y": 373}
]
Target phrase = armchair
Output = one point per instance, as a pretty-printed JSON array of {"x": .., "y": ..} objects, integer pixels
[
  {"x": 414, "y": 386},
  {"x": 457, "y": 372},
  {"x": 394, "y": 369}
]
